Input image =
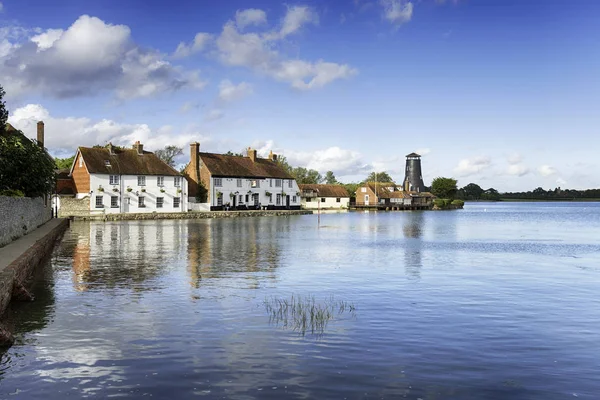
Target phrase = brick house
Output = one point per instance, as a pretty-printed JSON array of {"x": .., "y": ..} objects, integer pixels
[
  {"x": 119, "y": 180},
  {"x": 240, "y": 182},
  {"x": 390, "y": 194}
]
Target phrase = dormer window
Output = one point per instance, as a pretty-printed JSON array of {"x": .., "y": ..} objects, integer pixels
[{"x": 107, "y": 163}]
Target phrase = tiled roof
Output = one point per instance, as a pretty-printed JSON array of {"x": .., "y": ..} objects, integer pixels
[
  {"x": 397, "y": 195},
  {"x": 243, "y": 167},
  {"x": 325, "y": 190},
  {"x": 124, "y": 162}
]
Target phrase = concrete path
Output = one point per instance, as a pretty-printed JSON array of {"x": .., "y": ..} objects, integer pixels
[{"x": 14, "y": 250}]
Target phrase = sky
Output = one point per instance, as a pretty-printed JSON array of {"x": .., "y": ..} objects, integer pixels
[{"x": 502, "y": 93}]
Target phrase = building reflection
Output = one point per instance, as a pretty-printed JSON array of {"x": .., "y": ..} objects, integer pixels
[
  {"x": 413, "y": 228},
  {"x": 217, "y": 248}
]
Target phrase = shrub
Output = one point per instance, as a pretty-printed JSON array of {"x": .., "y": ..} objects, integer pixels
[
  {"x": 12, "y": 193},
  {"x": 447, "y": 202},
  {"x": 439, "y": 202},
  {"x": 459, "y": 203}
]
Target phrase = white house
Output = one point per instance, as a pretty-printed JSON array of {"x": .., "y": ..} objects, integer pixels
[
  {"x": 324, "y": 196},
  {"x": 240, "y": 182},
  {"x": 118, "y": 180}
]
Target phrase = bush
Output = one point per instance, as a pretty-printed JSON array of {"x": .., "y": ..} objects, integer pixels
[
  {"x": 447, "y": 202},
  {"x": 459, "y": 203},
  {"x": 439, "y": 202},
  {"x": 12, "y": 193}
]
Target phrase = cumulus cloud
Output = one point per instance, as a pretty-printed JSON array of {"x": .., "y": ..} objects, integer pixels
[
  {"x": 517, "y": 170},
  {"x": 89, "y": 57},
  {"x": 214, "y": 114},
  {"x": 231, "y": 92},
  {"x": 64, "y": 134},
  {"x": 397, "y": 12},
  {"x": 423, "y": 151},
  {"x": 200, "y": 42},
  {"x": 260, "y": 51},
  {"x": 471, "y": 166},
  {"x": 1, "y": 7},
  {"x": 251, "y": 16},
  {"x": 515, "y": 158},
  {"x": 547, "y": 170}
]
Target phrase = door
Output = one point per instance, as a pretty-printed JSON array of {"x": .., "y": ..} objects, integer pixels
[
  {"x": 126, "y": 204},
  {"x": 287, "y": 201},
  {"x": 255, "y": 199},
  {"x": 366, "y": 199}
]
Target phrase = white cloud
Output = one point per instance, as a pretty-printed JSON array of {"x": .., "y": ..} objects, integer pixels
[
  {"x": 187, "y": 107},
  {"x": 64, "y": 135},
  {"x": 251, "y": 16},
  {"x": 295, "y": 18},
  {"x": 214, "y": 114},
  {"x": 89, "y": 57},
  {"x": 472, "y": 166},
  {"x": 397, "y": 12},
  {"x": 547, "y": 170},
  {"x": 230, "y": 92},
  {"x": 200, "y": 42},
  {"x": 561, "y": 182},
  {"x": 1, "y": 7},
  {"x": 515, "y": 158},
  {"x": 423, "y": 151},
  {"x": 517, "y": 170}
]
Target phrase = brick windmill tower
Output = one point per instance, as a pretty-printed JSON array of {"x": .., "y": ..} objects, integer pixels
[{"x": 413, "y": 180}]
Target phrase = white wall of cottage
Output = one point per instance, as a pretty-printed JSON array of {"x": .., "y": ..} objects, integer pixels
[
  {"x": 330, "y": 202},
  {"x": 230, "y": 186},
  {"x": 128, "y": 201}
]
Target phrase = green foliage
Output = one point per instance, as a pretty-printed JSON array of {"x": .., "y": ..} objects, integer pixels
[
  {"x": 330, "y": 178},
  {"x": 439, "y": 203},
  {"x": 556, "y": 194},
  {"x": 491, "y": 195},
  {"x": 169, "y": 153},
  {"x": 202, "y": 194},
  {"x": 3, "y": 111},
  {"x": 64, "y": 163},
  {"x": 25, "y": 166},
  {"x": 379, "y": 177},
  {"x": 231, "y": 153},
  {"x": 444, "y": 187},
  {"x": 472, "y": 192},
  {"x": 457, "y": 202},
  {"x": 300, "y": 174},
  {"x": 351, "y": 188},
  {"x": 12, "y": 193}
]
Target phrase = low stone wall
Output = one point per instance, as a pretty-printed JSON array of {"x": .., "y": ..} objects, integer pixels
[
  {"x": 19, "y": 271},
  {"x": 70, "y": 206},
  {"x": 21, "y": 215},
  {"x": 194, "y": 215}
]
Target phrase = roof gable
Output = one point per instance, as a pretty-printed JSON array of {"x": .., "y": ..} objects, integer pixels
[
  {"x": 243, "y": 167},
  {"x": 123, "y": 162}
]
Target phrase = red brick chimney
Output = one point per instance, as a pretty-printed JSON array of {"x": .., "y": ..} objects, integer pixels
[
  {"x": 252, "y": 154},
  {"x": 40, "y": 133},
  {"x": 194, "y": 155}
]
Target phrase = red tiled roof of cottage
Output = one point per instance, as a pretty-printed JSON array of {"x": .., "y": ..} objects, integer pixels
[
  {"x": 221, "y": 165},
  {"x": 324, "y": 190},
  {"x": 124, "y": 162}
]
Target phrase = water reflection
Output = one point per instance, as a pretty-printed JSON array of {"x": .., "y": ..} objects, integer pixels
[{"x": 414, "y": 225}]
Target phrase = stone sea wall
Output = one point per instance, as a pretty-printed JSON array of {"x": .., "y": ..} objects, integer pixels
[{"x": 21, "y": 215}]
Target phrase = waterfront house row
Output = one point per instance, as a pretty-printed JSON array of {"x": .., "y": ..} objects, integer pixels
[
  {"x": 323, "y": 196},
  {"x": 228, "y": 182},
  {"x": 388, "y": 194}
]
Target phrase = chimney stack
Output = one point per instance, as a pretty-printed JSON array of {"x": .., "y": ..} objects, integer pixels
[
  {"x": 40, "y": 133},
  {"x": 194, "y": 155},
  {"x": 272, "y": 157},
  {"x": 252, "y": 154},
  {"x": 139, "y": 147}
]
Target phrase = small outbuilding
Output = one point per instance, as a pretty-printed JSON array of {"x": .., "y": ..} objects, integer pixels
[{"x": 315, "y": 196}]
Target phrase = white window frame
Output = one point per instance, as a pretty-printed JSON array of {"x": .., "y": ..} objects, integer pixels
[
  {"x": 255, "y": 183},
  {"x": 277, "y": 182},
  {"x": 141, "y": 202},
  {"x": 141, "y": 180},
  {"x": 101, "y": 203},
  {"x": 218, "y": 182},
  {"x": 160, "y": 181},
  {"x": 176, "y": 202},
  {"x": 177, "y": 181},
  {"x": 239, "y": 182},
  {"x": 278, "y": 199},
  {"x": 290, "y": 183},
  {"x": 293, "y": 199},
  {"x": 160, "y": 202},
  {"x": 114, "y": 201},
  {"x": 113, "y": 179}
]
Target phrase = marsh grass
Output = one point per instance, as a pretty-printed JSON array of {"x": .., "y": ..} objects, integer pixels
[{"x": 305, "y": 314}]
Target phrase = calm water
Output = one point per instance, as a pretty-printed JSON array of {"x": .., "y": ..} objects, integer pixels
[{"x": 496, "y": 301}]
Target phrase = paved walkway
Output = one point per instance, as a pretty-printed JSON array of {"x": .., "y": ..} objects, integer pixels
[{"x": 13, "y": 250}]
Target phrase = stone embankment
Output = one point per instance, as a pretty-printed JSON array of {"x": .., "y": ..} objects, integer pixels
[
  {"x": 191, "y": 215},
  {"x": 18, "y": 261}
]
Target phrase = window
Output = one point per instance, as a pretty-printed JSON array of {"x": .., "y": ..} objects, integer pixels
[
  {"x": 241, "y": 198},
  {"x": 219, "y": 200},
  {"x": 80, "y": 161},
  {"x": 308, "y": 200},
  {"x": 270, "y": 182},
  {"x": 107, "y": 163},
  {"x": 338, "y": 200},
  {"x": 218, "y": 182},
  {"x": 290, "y": 183},
  {"x": 323, "y": 199},
  {"x": 278, "y": 202},
  {"x": 177, "y": 181},
  {"x": 363, "y": 190},
  {"x": 141, "y": 181},
  {"x": 247, "y": 199},
  {"x": 160, "y": 181},
  {"x": 114, "y": 201},
  {"x": 176, "y": 201},
  {"x": 255, "y": 184},
  {"x": 293, "y": 199},
  {"x": 114, "y": 179},
  {"x": 277, "y": 182},
  {"x": 141, "y": 202},
  {"x": 239, "y": 183},
  {"x": 99, "y": 203},
  {"x": 159, "y": 202}
]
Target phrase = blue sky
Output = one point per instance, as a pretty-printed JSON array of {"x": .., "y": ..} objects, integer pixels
[{"x": 503, "y": 93}]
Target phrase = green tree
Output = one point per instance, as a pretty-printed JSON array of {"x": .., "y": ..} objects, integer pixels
[
  {"x": 169, "y": 153},
  {"x": 300, "y": 174},
  {"x": 3, "y": 111},
  {"x": 379, "y": 177},
  {"x": 330, "y": 178},
  {"x": 231, "y": 153},
  {"x": 490, "y": 194},
  {"x": 472, "y": 191},
  {"x": 351, "y": 188},
  {"x": 64, "y": 163},
  {"x": 444, "y": 188}
]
